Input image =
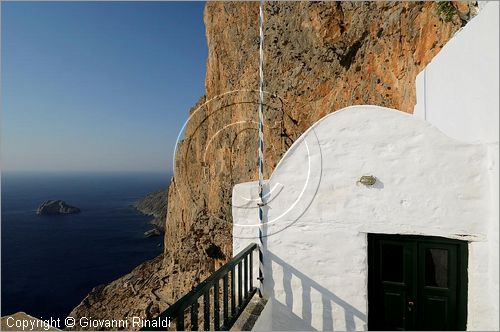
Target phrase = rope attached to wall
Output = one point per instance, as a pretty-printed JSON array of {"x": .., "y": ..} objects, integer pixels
[{"x": 261, "y": 143}]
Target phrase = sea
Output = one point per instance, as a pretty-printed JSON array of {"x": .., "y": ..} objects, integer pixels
[{"x": 50, "y": 263}]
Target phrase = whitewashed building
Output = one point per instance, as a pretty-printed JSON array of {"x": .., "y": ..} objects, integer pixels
[{"x": 380, "y": 219}]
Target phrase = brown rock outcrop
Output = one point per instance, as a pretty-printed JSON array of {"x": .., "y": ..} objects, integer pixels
[{"x": 319, "y": 57}]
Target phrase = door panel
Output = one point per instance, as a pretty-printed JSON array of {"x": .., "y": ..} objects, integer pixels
[
  {"x": 392, "y": 261},
  {"x": 435, "y": 313},
  {"x": 436, "y": 267},
  {"x": 416, "y": 283},
  {"x": 392, "y": 266},
  {"x": 395, "y": 302},
  {"x": 437, "y": 287}
]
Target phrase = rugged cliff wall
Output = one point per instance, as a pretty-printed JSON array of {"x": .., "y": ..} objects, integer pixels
[{"x": 320, "y": 57}]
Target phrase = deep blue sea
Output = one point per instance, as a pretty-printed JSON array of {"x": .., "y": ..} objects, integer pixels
[{"x": 49, "y": 263}]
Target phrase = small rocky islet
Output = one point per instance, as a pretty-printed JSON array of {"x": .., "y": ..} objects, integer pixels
[
  {"x": 153, "y": 204},
  {"x": 56, "y": 207}
]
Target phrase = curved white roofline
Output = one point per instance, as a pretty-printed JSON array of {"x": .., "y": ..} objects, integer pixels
[{"x": 362, "y": 107}]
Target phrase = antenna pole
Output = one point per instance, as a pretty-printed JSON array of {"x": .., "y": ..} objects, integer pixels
[{"x": 261, "y": 143}]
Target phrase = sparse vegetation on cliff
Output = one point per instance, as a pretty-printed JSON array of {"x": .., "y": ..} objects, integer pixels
[{"x": 446, "y": 10}]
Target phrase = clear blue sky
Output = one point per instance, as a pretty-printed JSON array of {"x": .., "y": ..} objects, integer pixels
[{"x": 98, "y": 86}]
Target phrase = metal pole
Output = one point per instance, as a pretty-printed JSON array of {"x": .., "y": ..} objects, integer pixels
[{"x": 261, "y": 143}]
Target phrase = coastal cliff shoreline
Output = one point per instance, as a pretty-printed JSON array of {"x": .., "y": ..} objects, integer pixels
[{"x": 155, "y": 205}]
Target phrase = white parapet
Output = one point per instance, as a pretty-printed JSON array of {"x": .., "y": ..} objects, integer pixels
[{"x": 318, "y": 215}]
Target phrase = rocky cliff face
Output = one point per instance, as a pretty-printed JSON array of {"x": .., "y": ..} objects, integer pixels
[{"x": 320, "y": 57}]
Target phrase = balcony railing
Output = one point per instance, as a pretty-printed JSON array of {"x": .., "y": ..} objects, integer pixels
[{"x": 237, "y": 290}]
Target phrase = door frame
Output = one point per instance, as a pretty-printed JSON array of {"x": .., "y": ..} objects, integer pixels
[{"x": 462, "y": 268}]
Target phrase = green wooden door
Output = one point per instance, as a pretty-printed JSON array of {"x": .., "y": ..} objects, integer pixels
[{"x": 416, "y": 283}]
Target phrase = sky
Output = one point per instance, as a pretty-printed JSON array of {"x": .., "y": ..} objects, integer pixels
[{"x": 98, "y": 86}]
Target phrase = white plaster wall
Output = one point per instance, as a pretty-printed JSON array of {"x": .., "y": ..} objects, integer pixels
[
  {"x": 458, "y": 93},
  {"x": 317, "y": 216},
  {"x": 493, "y": 234}
]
